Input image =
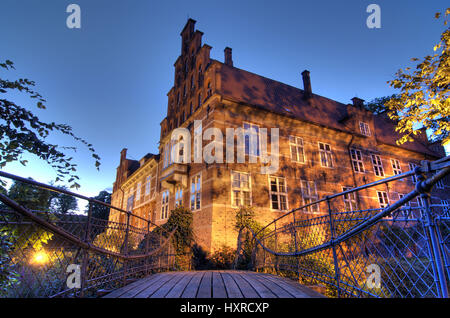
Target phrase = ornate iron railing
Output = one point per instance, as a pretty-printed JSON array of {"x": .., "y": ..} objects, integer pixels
[
  {"x": 401, "y": 250},
  {"x": 50, "y": 254}
]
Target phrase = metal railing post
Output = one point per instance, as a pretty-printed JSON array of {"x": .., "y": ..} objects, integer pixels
[
  {"x": 296, "y": 247},
  {"x": 168, "y": 257},
  {"x": 437, "y": 260},
  {"x": 125, "y": 248},
  {"x": 436, "y": 256},
  {"x": 264, "y": 253},
  {"x": 147, "y": 242},
  {"x": 160, "y": 256},
  {"x": 333, "y": 246},
  {"x": 276, "y": 247},
  {"x": 85, "y": 253}
]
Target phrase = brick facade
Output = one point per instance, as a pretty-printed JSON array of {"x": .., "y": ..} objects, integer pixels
[{"x": 223, "y": 96}]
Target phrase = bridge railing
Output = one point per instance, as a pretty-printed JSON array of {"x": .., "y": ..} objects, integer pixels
[
  {"x": 54, "y": 254},
  {"x": 347, "y": 248}
]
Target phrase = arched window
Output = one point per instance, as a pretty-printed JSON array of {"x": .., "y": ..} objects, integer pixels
[
  {"x": 192, "y": 82},
  {"x": 199, "y": 99}
]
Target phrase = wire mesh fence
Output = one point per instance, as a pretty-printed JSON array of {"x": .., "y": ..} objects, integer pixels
[
  {"x": 53, "y": 254},
  {"x": 400, "y": 250}
]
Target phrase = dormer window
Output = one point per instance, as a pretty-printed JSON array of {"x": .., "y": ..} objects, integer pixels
[{"x": 364, "y": 127}]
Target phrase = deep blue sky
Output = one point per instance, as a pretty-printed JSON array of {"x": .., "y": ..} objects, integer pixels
[{"x": 109, "y": 79}]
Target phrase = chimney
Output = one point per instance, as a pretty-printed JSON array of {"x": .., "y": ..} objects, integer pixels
[
  {"x": 228, "y": 56},
  {"x": 358, "y": 102},
  {"x": 123, "y": 155},
  {"x": 307, "y": 84}
]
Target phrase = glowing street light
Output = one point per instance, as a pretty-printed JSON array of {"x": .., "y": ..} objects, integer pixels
[{"x": 40, "y": 257}]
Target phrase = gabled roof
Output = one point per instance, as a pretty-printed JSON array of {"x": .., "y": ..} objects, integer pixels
[
  {"x": 281, "y": 98},
  {"x": 249, "y": 88}
]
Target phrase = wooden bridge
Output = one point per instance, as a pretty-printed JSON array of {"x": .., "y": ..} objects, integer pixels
[{"x": 214, "y": 284}]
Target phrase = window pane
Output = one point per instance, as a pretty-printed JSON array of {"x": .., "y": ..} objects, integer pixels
[
  {"x": 273, "y": 185},
  {"x": 274, "y": 201},
  {"x": 283, "y": 202}
]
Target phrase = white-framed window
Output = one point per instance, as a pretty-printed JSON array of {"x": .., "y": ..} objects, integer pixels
[
  {"x": 364, "y": 127},
  {"x": 196, "y": 192},
  {"x": 396, "y": 168},
  {"x": 251, "y": 134},
  {"x": 165, "y": 205},
  {"x": 148, "y": 183},
  {"x": 406, "y": 208},
  {"x": 326, "y": 157},
  {"x": 241, "y": 193},
  {"x": 377, "y": 165},
  {"x": 357, "y": 162},
  {"x": 138, "y": 191},
  {"x": 413, "y": 166},
  {"x": 297, "y": 149},
  {"x": 278, "y": 193},
  {"x": 350, "y": 202},
  {"x": 383, "y": 199},
  {"x": 130, "y": 203},
  {"x": 309, "y": 195},
  {"x": 167, "y": 161},
  {"x": 178, "y": 196},
  {"x": 445, "y": 208}
]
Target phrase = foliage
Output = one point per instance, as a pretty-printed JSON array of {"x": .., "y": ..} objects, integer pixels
[
  {"x": 180, "y": 219},
  {"x": 424, "y": 94},
  {"x": 377, "y": 105},
  {"x": 8, "y": 275},
  {"x": 100, "y": 211},
  {"x": 245, "y": 218},
  {"x": 223, "y": 258},
  {"x": 21, "y": 131},
  {"x": 245, "y": 224},
  {"x": 63, "y": 203},
  {"x": 200, "y": 258},
  {"x": 29, "y": 196},
  {"x": 220, "y": 259}
]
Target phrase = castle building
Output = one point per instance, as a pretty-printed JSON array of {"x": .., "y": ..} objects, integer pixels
[{"x": 324, "y": 147}]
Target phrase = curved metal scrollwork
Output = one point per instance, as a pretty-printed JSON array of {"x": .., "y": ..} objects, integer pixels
[
  {"x": 401, "y": 250},
  {"x": 51, "y": 254}
]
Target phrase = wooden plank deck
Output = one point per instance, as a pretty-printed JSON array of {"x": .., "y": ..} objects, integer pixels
[{"x": 214, "y": 284}]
